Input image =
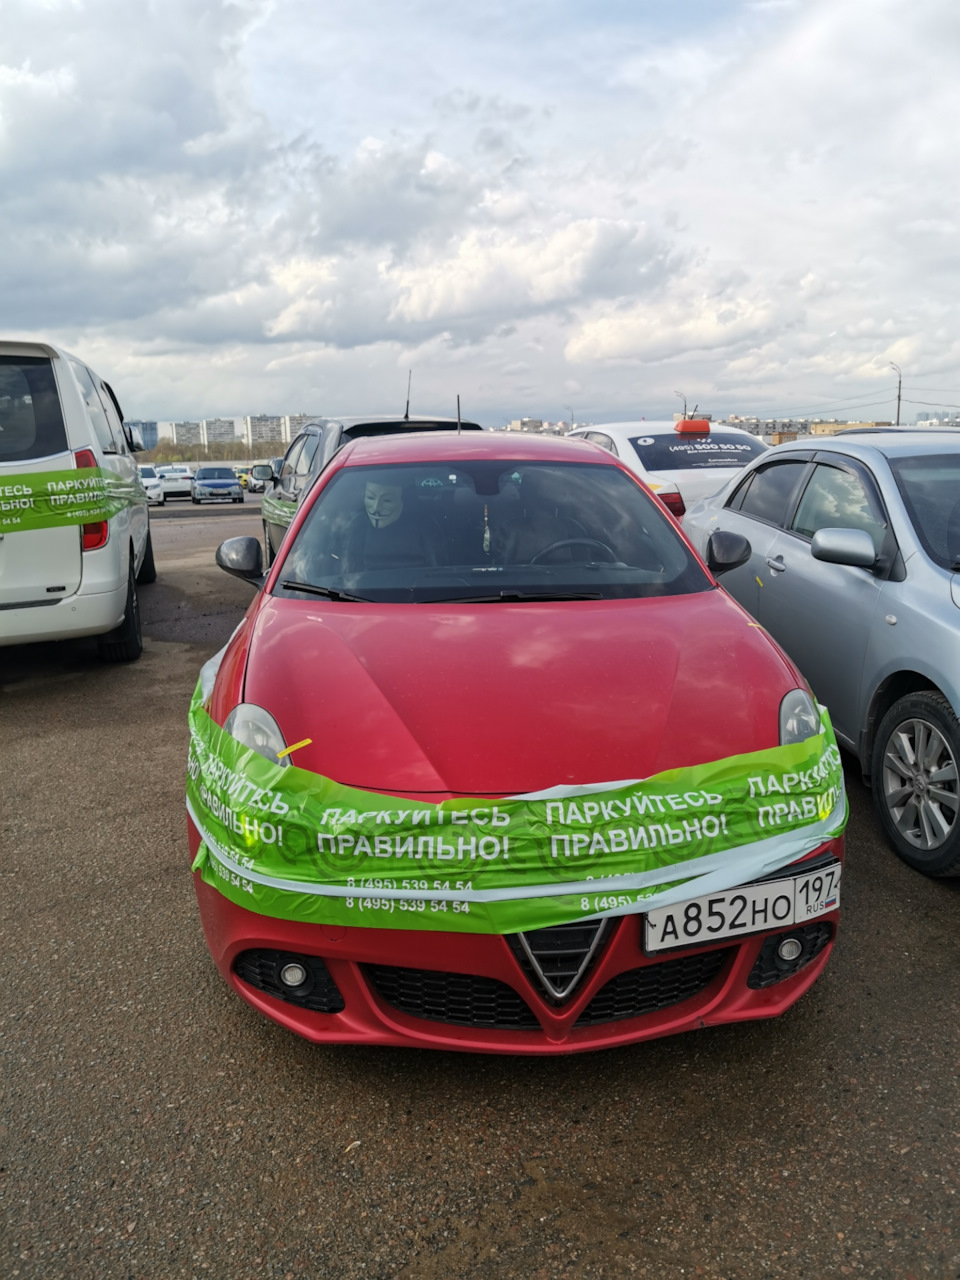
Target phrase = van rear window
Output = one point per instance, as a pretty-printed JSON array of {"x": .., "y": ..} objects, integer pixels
[{"x": 31, "y": 420}]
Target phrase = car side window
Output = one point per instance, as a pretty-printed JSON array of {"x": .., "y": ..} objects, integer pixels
[
  {"x": 310, "y": 446},
  {"x": 604, "y": 441},
  {"x": 330, "y": 440},
  {"x": 285, "y": 481},
  {"x": 116, "y": 426},
  {"x": 91, "y": 398},
  {"x": 837, "y": 499},
  {"x": 769, "y": 491}
]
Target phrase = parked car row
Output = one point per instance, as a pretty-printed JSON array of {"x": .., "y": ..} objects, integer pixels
[
  {"x": 178, "y": 481},
  {"x": 556, "y": 789}
]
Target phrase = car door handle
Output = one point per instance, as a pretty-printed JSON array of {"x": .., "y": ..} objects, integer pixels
[{"x": 777, "y": 564}]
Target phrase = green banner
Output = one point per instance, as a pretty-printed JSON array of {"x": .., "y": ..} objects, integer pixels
[
  {"x": 45, "y": 499},
  {"x": 291, "y": 844}
]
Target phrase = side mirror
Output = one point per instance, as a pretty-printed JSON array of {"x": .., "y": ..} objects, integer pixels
[
  {"x": 243, "y": 557},
  {"x": 134, "y": 439},
  {"x": 726, "y": 551},
  {"x": 844, "y": 546},
  {"x": 262, "y": 472}
]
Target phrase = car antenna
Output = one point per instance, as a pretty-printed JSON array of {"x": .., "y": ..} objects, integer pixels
[
  {"x": 406, "y": 412},
  {"x": 458, "y": 415}
]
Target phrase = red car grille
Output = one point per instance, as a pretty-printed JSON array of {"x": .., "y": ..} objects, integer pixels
[
  {"x": 655, "y": 986},
  {"x": 469, "y": 1000},
  {"x": 463, "y": 999},
  {"x": 557, "y": 959}
]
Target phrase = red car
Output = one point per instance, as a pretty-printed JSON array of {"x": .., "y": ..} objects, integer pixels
[{"x": 493, "y": 764}]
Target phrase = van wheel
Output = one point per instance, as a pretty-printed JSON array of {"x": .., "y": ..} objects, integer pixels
[
  {"x": 916, "y": 782},
  {"x": 125, "y": 643},
  {"x": 148, "y": 570}
]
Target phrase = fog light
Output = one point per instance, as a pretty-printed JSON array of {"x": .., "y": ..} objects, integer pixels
[
  {"x": 295, "y": 975},
  {"x": 788, "y": 950}
]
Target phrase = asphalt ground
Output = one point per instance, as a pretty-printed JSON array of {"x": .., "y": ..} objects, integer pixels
[{"x": 153, "y": 1125}]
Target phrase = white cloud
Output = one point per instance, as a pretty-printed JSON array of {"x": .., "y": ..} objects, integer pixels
[
  {"x": 278, "y": 200},
  {"x": 670, "y": 329}
]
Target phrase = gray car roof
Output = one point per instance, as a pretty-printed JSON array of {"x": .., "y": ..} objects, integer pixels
[{"x": 905, "y": 443}]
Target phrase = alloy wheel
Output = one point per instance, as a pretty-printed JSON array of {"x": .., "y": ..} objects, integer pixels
[{"x": 921, "y": 785}]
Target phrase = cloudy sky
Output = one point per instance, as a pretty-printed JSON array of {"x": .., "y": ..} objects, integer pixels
[{"x": 275, "y": 206}]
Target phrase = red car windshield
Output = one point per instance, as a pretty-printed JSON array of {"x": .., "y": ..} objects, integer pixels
[{"x": 483, "y": 530}]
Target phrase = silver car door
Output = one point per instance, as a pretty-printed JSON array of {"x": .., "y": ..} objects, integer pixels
[
  {"x": 822, "y": 613},
  {"x": 756, "y": 509}
]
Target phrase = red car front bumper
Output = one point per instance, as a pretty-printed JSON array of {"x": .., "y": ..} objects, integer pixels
[{"x": 473, "y": 991}]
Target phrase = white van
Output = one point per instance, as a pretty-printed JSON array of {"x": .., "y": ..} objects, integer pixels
[{"x": 74, "y": 524}]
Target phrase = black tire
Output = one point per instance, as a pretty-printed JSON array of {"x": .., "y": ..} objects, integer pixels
[
  {"x": 240, "y": 499},
  {"x": 195, "y": 501},
  {"x": 148, "y": 570},
  {"x": 915, "y": 774},
  {"x": 125, "y": 643},
  {"x": 163, "y": 501},
  {"x": 268, "y": 556}
]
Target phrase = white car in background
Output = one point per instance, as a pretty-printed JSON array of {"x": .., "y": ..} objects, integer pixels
[
  {"x": 681, "y": 462},
  {"x": 177, "y": 481},
  {"x": 153, "y": 485}
]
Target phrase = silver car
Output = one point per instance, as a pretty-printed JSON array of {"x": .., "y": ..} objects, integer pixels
[{"x": 855, "y": 570}]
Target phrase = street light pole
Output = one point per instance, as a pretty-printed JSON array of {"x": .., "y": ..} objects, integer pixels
[
  {"x": 684, "y": 399},
  {"x": 899, "y": 383},
  {"x": 569, "y": 408}
]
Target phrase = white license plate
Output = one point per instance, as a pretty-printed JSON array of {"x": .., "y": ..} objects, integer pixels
[{"x": 753, "y": 908}]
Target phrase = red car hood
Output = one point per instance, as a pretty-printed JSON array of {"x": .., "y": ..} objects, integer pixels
[{"x": 503, "y": 698}]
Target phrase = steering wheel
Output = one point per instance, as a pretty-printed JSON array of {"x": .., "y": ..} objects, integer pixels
[{"x": 610, "y": 557}]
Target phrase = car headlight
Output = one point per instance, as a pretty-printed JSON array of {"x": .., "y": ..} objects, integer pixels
[
  {"x": 257, "y": 728},
  {"x": 799, "y": 718}
]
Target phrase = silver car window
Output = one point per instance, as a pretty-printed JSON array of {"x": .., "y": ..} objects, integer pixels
[
  {"x": 930, "y": 487},
  {"x": 837, "y": 499},
  {"x": 770, "y": 489}
]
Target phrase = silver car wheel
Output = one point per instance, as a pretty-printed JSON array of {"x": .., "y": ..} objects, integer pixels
[{"x": 921, "y": 785}]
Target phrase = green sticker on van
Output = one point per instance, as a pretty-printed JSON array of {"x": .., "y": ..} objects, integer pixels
[{"x": 48, "y": 499}]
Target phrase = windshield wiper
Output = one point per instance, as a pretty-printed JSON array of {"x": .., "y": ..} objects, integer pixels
[
  {"x": 329, "y": 593},
  {"x": 519, "y": 597}
]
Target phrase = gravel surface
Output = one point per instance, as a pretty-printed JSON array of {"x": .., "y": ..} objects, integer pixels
[{"x": 152, "y": 1125}]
